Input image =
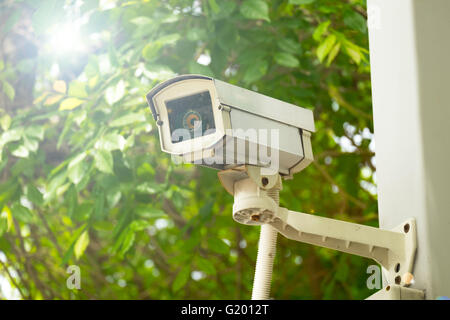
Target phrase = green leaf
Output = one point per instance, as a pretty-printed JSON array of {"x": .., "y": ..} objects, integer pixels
[
  {"x": 104, "y": 161},
  {"x": 6, "y": 219},
  {"x": 286, "y": 59},
  {"x": 77, "y": 89},
  {"x": 72, "y": 200},
  {"x": 151, "y": 50},
  {"x": 226, "y": 8},
  {"x": 5, "y": 122},
  {"x": 60, "y": 86},
  {"x": 83, "y": 211},
  {"x": 103, "y": 226},
  {"x": 113, "y": 197},
  {"x": 92, "y": 69},
  {"x": 21, "y": 213},
  {"x": 255, "y": 71},
  {"x": 127, "y": 119},
  {"x": 289, "y": 45},
  {"x": 113, "y": 56},
  {"x": 181, "y": 278},
  {"x": 355, "y": 21},
  {"x": 139, "y": 225},
  {"x": 195, "y": 34},
  {"x": 51, "y": 100},
  {"x": 214, "y": 7},
  {"x": 34, "y": 195},
  {"x": 169, "y": 38},
  {"x": 10, "y": 136},
  {"x": 206, "y": 266},
  {"x": 20, "y": 152},
  {"x": 70, "y": 103},
  {"x": 206, "y": 212},
  {"x": 333, "y": 53},
  {"x": 75, "y": 238},
  {"x": 255, "y": 9},
  {"x": 124, "y": 241},
  {"x": 320, "y": 30},
  {"x": 35, "y": 132},
  {"x": 99, "y": 204},
  {"x": 81, "y": 244},
  {"x": 112, "y": 141},
  {"x": 115, "y": 93},
  {"x": 8, "y": 89},
  {"x": 30, "y": 144},
  {"x": 150, "y": 187},
  {"x": 141, "y": 21},
  {"x": 343, "y": 270},
  {"x": 218, "y": 246},
  {"x": 300, "y": 2},
  {"x": 353, "y": 52},
  {"x": 77, "y": 168},
  {"x": 3, "y": 225},
  {"x": 325, "y": 47},
  {"x": 128, "y": 241},
  {"x": 54, "y": 184},
  {"x": 149, "y": 212}
]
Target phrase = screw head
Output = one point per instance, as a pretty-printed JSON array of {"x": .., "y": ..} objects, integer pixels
[{"x": 408, "y": 278}]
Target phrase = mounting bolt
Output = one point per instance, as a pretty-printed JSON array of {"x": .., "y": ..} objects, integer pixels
[
  {"x": 255, "y": 217},
  {"x": 408, "y": 278}
]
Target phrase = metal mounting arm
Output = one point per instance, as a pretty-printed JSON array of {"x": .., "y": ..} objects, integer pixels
[{"x": 393, "y": 249}]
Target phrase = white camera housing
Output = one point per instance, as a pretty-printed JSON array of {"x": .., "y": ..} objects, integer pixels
[{"x": 230, "y": 126}]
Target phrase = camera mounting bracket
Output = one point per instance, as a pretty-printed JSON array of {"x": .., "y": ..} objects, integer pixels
[{"x": 393, "y": 249}]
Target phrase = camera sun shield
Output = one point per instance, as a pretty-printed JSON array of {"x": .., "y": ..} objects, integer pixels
[{"x": 212, "y": 123}]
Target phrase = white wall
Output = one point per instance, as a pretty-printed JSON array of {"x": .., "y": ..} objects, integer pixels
[{"x": 410, "y": 63}]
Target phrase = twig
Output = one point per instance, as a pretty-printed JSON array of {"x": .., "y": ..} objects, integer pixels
[
  {"x": 12, "y": 279},
  {"x": 327, "y": 176},
  {"x": 50, "y": 232}
]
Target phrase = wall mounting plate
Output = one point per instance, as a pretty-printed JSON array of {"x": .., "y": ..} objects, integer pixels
[{"x": 395, "y": 292}]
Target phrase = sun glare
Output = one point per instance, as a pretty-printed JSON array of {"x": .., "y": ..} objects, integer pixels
[{"x": 66, "y": 39}]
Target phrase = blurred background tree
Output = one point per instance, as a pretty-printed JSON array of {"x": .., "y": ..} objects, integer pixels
[{"x": 83, "y": 181}]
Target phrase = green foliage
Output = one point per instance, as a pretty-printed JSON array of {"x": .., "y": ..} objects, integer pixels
[
  {"x": 255, "y": 9},
  {"x": 83, "y": 179}
]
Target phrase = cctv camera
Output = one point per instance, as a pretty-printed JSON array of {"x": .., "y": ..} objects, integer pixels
[{"x": 209, "y": 122}]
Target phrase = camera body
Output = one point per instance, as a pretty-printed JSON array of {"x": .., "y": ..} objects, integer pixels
[{"x": 209, "y": 122}]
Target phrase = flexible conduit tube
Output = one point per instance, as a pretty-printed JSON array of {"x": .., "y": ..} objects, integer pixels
[{"x": 266, "y": 254}]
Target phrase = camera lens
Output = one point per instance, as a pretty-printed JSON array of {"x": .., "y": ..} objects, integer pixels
[
  {"x": 192, "y": 120},
  {"x": 193, "y": 114}
]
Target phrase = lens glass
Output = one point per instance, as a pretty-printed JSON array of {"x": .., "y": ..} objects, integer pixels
[{"x": 190, "y": 116}]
